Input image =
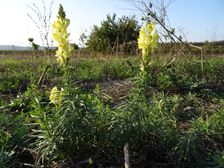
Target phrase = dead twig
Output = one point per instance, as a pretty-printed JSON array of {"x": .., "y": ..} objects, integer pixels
[
  {"x": 126, "y": 157},
  {"x": 42, "y": 75}
]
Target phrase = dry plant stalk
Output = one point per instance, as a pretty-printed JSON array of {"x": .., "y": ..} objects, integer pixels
[
  {"x": 42, "y": 75},
  {"x": 126, "y": 157},
  {"x": 202, "y": 56},
  {"x": 41, "y": 17}
]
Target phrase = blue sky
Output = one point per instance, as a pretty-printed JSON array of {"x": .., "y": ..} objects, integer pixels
[{"x": 200, "y": 19}]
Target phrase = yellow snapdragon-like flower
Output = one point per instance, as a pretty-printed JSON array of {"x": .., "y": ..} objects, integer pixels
[
  {"x": 148, "y": 39},
  {"x": 147, "y": 42},
  {"x": 56, "y": 96},
  {"x": 60, "y": 35}
]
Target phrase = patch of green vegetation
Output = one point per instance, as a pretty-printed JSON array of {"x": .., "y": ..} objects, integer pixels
[{"x": 177, "y": 119}]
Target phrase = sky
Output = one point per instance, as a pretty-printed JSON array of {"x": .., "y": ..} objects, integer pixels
[{"x": 200, "y": 20}]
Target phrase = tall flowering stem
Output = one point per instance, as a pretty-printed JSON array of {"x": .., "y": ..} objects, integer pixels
[
  {"x": 60, "y": 35},
  {"x": 147, "y": 42}
]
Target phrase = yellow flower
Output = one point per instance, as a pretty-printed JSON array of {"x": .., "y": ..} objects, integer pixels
[
  {"x": 147, "y": 42},
  {"x": 56, "y": 96},
  {"x": 60, "y": 35},
  {"x": 90, "y": 161},
  {"x": 148, "y": 39}
]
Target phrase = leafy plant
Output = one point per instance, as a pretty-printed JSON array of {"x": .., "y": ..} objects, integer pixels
[{"x": 113, "y": 33}]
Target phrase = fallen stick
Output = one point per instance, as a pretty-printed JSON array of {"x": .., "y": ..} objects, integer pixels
[{"x": 126, "y": 157}]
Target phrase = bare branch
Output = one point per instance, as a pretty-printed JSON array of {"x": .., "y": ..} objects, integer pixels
[{"x": 42, "y": 20}]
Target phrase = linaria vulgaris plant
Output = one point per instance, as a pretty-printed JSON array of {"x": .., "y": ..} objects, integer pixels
[
  {"x": 60, "y": 35},
  {"x": 147, "y": 42}
]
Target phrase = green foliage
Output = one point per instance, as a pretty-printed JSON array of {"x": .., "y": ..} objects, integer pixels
[
  {"x": 34, "y": 45},
  {"x": 12, "y": 136},
  {"x": 5, "y": 154},
  {"x": 75, "y": 46},
  {"x": 113, "y": 32},
  {"x": 171, "y": 116},
  {"x": 61, "y": 12},
  {"x": 172, "y": 119}
]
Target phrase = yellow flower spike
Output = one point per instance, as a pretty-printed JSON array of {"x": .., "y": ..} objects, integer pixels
[
  {"x": 56, "y": 96},
  {"x": 147, "y": 42},
  {"x": 60, "y": 35},
  {"x": 148, "y": 38}
]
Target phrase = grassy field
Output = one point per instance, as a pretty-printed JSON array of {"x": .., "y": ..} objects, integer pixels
[{"x": 175, "y": 120}]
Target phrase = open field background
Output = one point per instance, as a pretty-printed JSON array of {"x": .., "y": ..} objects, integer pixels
[{"x": 176, "y": 122}]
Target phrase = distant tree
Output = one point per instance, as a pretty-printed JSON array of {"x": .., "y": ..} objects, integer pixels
[
  {"x": 112, "y": 33},
  {"x": 34, "y": 45},
  {"x": 30, "y": 39},
  {"x": 75, "y": 46}
]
